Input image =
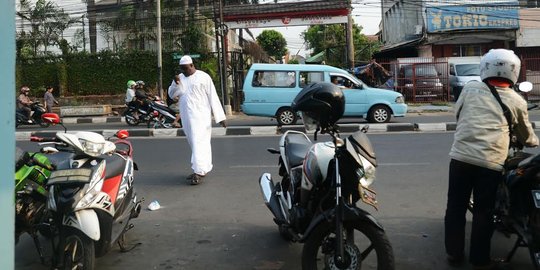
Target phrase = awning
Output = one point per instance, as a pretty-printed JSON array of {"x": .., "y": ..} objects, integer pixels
[
  {"x": 408, "y": 43},
  {"x": 316, "y": 59}
]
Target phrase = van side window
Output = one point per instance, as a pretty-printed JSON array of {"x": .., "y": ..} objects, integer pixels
[
  {"x": 282, "y": 79},
  {"x": 308, "y": 77}
]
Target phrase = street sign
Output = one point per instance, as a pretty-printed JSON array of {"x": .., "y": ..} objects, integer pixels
[{"x": 177, "y": 56}]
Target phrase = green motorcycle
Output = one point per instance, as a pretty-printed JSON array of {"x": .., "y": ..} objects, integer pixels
[{"x": 31, "y": 173}]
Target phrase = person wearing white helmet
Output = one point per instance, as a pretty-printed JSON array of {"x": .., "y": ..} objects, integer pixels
[
  {"x": 198, "y": 102},
  {"x": 24, "y": 102},
  {"x": 478, "y": 153}
]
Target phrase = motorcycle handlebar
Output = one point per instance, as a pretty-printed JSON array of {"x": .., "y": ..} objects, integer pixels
[
  {"x": 42, "y": 139},
  {"x": 39, "y": 163}
]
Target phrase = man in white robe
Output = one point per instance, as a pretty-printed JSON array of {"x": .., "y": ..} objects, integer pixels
[{"x": 198, "y": 102}]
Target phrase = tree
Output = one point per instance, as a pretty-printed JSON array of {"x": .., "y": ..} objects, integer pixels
[
  {"x": 273, "y": 43},
  {"x": 332, "y": 40},
  {"x": 47, "y": 23}
]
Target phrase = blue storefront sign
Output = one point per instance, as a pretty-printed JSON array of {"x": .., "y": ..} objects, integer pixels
[{"x": 467, "y": 17}]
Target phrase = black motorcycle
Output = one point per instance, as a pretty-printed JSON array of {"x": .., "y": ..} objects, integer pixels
[
  {"x": 162, "y": 116},
  {"x": 321, "y": 183},
  {"x": 517, "y": 207},
  {"x": 37, "y": 111}
]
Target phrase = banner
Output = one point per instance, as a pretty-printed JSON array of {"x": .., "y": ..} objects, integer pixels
[
  {"x": 473, "y": 17},
  {"x": 286, "y": 21}
]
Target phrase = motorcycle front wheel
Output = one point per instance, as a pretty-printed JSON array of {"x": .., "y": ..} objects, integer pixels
[
  {"x": 76, "y": 250},
  {"x": 130, "y": 119},
  {"x": 370, "y": 248}
]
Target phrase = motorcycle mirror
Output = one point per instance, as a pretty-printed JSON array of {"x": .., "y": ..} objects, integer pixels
[
  {"x": 525, "y": 87},
  {"x": 122, "y": 134},
  {"x": 51, "y": 118}
]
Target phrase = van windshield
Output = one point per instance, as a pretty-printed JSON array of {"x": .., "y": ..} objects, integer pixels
[{"x": 468, "y": 70}]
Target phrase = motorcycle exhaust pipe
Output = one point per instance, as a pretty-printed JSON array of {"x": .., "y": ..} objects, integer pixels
[{"x": 270, "y": 198}]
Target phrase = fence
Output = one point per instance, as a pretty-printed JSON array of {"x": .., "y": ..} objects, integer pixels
[{"x": 530, "y": 71}]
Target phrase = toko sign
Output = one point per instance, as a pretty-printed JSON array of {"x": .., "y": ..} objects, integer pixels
[{"x": 472, "y": 17}]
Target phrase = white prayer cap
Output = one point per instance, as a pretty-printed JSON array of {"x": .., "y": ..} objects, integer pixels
[{"x": 186, "y": 60}]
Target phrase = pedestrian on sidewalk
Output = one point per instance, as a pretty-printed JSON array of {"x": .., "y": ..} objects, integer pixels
[
  {"x": 487, "y": 113},
  {"x": 198, "y": 102},
  {"x": 49, "y": 99}
]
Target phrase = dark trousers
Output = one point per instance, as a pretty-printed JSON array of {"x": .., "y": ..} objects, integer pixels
[{"x": 465, "y": 178}]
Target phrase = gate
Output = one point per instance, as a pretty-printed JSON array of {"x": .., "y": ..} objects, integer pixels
[
  {"x": 421, "y": 81},
  {"x": 530, "y": 71},
  {"x": 237, "y": 72}
]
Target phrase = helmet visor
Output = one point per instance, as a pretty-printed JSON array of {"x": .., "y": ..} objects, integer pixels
[{"x": 310, "y": 124}]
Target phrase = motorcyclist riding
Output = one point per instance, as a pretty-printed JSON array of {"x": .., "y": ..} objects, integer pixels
[{"x": 24, "y": 102}]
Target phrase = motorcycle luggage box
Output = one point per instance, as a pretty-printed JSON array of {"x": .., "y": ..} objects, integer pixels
[{"x": 296, "y": 148}]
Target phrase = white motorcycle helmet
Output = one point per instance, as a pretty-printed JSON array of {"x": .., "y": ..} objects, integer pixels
[{"x": 500, "y": 63}]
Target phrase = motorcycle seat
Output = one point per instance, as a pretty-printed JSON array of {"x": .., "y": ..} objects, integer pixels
[
  {"x": 296, "y": 148},
  {"x": 115, "y": 165}
]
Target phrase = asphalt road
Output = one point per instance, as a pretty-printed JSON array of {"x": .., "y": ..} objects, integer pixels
[{"x": 224, "y": 224}]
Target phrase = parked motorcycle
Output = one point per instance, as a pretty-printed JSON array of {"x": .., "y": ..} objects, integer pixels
[
  {"x": 91, "y": 196},
  {"x": 31, "y": 173},
  {"x": 315, "y": 201},
  {"x": 162, "y": 116},
  {"x": 37, "y": 111}
]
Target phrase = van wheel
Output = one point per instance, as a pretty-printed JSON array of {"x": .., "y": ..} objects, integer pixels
[
  {"x": 379, "y": 114},
  {"x": 286, "y": 116}
]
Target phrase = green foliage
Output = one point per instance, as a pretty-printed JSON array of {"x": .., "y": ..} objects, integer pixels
[
  {"x": 332, "y": 40},
  {"x": 293, "y": 61},
  {"x": 273, "y": 43},
  {"x": 103, "y": 73}
]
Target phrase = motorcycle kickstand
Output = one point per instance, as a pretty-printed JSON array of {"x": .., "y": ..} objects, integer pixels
[
  {"x": 122, "y": 241},
  {"x": 39, "y": 248},
  {"x": 519, "y": 243}
]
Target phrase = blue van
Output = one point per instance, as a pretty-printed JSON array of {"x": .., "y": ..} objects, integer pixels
[{"x": 269, "y": 90}]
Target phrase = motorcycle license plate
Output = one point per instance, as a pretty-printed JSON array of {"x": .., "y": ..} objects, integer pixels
[
  {"x": 536, "y": 197},
  {"x": 368, "y": 195}
]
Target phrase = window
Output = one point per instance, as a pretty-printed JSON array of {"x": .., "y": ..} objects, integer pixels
[
  {"x": 341, "y": 81},
  {"x": 274, "y": 79},
  {"x": 467, "y": 50},
  {"x": 308, "y": 77}
]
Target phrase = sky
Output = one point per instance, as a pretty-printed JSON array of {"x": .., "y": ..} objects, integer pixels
[{"x": 366, "y": 13}]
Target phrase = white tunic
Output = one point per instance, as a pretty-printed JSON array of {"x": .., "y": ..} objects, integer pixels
[{"x": 198, "y": 102}]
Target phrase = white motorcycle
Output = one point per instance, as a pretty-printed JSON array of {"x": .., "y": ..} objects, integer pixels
[{"x": 91, "y": 195}]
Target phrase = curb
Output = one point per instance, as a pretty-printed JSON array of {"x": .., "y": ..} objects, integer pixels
[
  {"x": 269, "y": 130},
  {"x": 261, "y": 130}
]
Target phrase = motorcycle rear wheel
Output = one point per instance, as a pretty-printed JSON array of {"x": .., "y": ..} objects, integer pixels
[
  {"x": 318, "y": 252},
  {"x": 76, "y": 249}
]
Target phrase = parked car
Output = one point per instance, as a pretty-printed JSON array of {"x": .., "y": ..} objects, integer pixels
[
  {"x": 462, "y": 73},
  {"x": 420, "y": 81},
  {"x": 269, "y": 90}
]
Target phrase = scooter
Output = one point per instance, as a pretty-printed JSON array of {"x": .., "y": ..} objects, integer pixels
[
  {"x": 91, "y": 195},
  {"x": 37, "y": 111},
  {"x": 315, "y": 201}
]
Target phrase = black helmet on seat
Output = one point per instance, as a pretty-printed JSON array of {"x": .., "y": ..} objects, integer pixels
[{"x": 321, "y": 103}]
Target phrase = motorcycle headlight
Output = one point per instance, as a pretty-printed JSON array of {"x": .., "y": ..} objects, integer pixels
[
  {"x": 368, "y": 172},
  {"x": 460, "y": 83},
  {"x": 94, "y": 187},
  {"x": 92, "y": 148},
  {"x": 400, "y": 99}
]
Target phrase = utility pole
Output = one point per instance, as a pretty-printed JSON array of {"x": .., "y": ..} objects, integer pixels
[
  {"x": 221, "y": 49},
  {"x": 160, "y": 70},
  {"x": 83, "y": 33},
  {"x": 350, "y": 43}
]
